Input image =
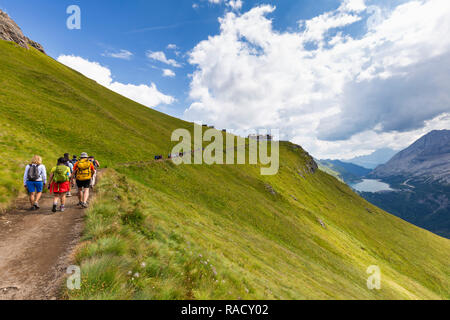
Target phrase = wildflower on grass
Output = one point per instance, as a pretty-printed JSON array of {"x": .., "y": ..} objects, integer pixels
[
  {"x": 143, "y": 264},
  {"x": 136, "y": 275},
  {"x": 130, "y": 273}
]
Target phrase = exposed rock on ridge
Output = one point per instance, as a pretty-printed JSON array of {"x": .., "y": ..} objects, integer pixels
[{"x": 10, "y": 31}]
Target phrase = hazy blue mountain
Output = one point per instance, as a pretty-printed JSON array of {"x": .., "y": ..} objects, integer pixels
[
  {"x": 374, "y": 159},
  {"x": 348, "y": 172}
]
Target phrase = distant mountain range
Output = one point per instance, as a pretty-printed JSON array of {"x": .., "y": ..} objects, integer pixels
[
  {"x": 426, "y": 160},
  {"x": 374, "y": 159},
  {"x": 348, "y": 172},
  {"x": 421, "y": 176},
  {"x": 353, "y": 170}
]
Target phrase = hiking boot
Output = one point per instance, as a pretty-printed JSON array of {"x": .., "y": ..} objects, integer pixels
[
  {"x": 63, "y": 209},
  {"x": 54, "y": 208},
  {"x": 80, "y": 203},
  {"x": 84, "y": 205},
  {"x": 36, "y": 205},
  {"x": 69, "y": 194},
  {"x": 32, "y": 208}
]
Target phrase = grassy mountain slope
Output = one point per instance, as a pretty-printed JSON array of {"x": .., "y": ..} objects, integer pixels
[
  {"x": 328, "y": 170},
  {"x": 162, "y": 231},
  {"x": 348, "y": 172}
]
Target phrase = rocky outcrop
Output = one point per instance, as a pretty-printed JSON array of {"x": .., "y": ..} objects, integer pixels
[
  {"x": 10, "y": 31},
  {"x": 311, "y": 166},
  {"x": 36, "y": 45}
]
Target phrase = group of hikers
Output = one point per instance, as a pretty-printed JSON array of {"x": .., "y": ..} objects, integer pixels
[{"x": 65, "y": 175}]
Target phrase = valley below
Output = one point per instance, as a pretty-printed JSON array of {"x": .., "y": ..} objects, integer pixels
[{"x": 423, "y": 204}]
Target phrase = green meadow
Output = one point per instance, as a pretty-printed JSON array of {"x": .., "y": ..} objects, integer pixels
[{"x": 161, "y": 231}]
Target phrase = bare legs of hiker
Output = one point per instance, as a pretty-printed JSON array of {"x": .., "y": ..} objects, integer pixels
[
  {"x": 34, "y": 199},
  {"x": 62, "y": 197},
  {"x": 83, "y": 196}
]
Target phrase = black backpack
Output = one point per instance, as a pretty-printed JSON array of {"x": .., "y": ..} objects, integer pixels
[{"x": 33, "y": 173}]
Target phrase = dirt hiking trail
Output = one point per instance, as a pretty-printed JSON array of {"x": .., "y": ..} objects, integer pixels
[{"x": 36, "y": 247}]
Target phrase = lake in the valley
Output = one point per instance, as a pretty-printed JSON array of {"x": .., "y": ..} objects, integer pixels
[{"x": 371, "y": 185}]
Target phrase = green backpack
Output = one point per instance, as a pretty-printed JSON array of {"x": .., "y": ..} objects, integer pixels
[{"x": 60, "y": 174}]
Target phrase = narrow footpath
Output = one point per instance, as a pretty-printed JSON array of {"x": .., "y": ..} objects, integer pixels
[{"x": 36, "y": 247}]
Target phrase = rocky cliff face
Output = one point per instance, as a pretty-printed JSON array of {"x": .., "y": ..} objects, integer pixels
[
  {"x": 10, "y": 31},
  {"x": 427, "y": 159}
]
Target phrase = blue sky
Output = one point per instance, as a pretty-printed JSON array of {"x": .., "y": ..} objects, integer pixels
[
  {"x": 333, "y": 75},
  {"x": 139, "y": 26}
]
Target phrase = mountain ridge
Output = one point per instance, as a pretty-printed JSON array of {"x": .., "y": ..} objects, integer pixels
[
  {"x": 349, "y": 172},
  {"x": 10, "y": 31},
  {"x": 374, "y": 159},
  {"x": 427, "y": 159}
]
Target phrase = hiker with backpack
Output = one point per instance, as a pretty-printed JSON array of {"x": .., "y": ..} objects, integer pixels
[
  {"x": 94, "y": 162},
  {"x": 74, "y": 159},
  {"x": 69, "y": 164},
  {"x": 96, "y": 166},
  {"x": 34, "y": 179},
  {"x": 59, "y": 183},
  {"x": 83, "y": 172}
]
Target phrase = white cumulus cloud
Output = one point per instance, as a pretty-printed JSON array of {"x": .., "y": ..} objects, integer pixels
[
  {"x": 233, "y": 4},
  {"x": 168, "y": 73},
  {"x": 338, "y": 94},
  {"x": 161, "y": 57},
  {"x": 149, "y": 96}
]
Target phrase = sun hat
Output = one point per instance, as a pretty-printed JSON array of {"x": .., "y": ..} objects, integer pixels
[{"x": 84, "y": 155}]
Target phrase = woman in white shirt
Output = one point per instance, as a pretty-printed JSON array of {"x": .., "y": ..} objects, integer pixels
[{"x": 34, "y": 180}]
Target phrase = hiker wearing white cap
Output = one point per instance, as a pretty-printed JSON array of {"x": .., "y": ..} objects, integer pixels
[{"x": 83, "y": 172}]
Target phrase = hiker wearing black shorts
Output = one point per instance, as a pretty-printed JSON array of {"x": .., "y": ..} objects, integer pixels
[{"x": 83, "y": 171}]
